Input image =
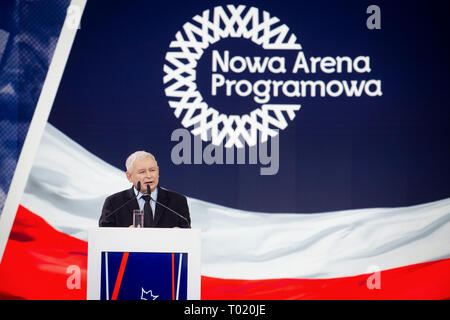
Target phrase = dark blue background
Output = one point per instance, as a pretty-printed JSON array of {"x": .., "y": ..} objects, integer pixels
[{"x": 338, "y": 153}]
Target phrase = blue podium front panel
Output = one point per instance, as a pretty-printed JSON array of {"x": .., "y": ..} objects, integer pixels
[{"x": 143, "y": 276}]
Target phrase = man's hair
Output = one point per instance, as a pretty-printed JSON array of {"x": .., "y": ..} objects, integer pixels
[{"x": 138, "y": 155}]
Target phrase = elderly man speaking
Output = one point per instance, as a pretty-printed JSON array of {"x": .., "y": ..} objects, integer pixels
[{"x": 162, "y": 208}]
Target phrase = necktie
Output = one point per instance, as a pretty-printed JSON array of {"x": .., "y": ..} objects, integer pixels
[{"x": 148, "y": 214}]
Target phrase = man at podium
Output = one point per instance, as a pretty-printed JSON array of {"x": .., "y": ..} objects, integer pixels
[{"x": 161, "y": 208}]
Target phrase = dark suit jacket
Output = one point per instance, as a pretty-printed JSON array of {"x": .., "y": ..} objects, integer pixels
[{"x": 163, "y": 218}]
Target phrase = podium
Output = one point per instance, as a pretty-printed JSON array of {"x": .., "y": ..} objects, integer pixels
[{"x": 143, "y": 264}]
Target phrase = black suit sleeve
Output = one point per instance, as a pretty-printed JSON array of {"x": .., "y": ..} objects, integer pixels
[{"x": 107, "y": 220}]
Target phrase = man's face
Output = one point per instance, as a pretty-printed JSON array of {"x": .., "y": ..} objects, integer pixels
[{"x": 146, "y": 171}]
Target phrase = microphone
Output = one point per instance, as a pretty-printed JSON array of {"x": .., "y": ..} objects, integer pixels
[
  {"x": 138, "y": 187},
  {"x": 173, "y": 211}
]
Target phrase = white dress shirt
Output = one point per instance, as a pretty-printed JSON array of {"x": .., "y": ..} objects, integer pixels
[{"x": 141, "y": 201}]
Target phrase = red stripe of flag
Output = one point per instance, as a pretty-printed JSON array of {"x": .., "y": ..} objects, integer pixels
[
  {"x": 123, "y": 264},
  {"x": 173, "y": 276},
  {"x": 428, "y": 280},
  {"x": 37, "y": 258}
]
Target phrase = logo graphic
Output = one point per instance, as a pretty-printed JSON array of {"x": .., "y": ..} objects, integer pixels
[
  {"x": 266, "y": 31},
  {"x": 180, "y": 75},
  {"x": 147, "y": 295}
]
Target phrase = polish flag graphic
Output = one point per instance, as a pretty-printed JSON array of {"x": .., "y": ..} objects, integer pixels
[{"x": 375, "y": 253}]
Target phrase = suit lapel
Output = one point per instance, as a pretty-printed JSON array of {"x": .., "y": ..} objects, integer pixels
[
  {"x": 159, "y": 211},
  {"x": 132, "y": 205}
]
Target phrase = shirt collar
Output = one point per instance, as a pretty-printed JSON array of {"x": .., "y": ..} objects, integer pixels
[{"x": 154, "y": 193}]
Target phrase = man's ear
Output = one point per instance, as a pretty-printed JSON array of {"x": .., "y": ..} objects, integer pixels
[{"x": 128, "y": 176}]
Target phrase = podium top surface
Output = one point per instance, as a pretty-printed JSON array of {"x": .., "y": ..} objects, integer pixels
[{"x": 144, "y": 239}]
